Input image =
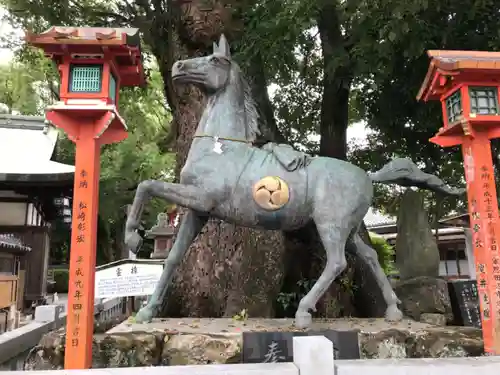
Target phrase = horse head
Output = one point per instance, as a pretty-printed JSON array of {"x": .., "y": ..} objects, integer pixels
[
  {"x": 219, "y": 74},
  {"x": 210, "y": 73}
]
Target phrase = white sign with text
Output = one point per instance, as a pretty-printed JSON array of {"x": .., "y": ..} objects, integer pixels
[{"x": 127, "y": 280}]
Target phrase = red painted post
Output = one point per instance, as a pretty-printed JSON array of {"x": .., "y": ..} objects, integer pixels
[{"x": 87, "y": 112}]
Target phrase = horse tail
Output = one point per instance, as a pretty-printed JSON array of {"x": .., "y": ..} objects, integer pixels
[{"x": 404, "y": 172}]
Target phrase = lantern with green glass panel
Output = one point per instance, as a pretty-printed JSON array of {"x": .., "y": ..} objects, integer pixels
[
  {"x": 474, "y": 103},
  {"x": 90, "y": 80},
  {"x": 93, "y": 62}
]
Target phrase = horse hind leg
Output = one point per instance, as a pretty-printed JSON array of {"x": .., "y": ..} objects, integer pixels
[
  {"x": 334, "y": 238},
  {"x": 369, "y": 255}
]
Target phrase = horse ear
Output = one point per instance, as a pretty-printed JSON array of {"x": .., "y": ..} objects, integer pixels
[
  {"x": 215, "y": 48},
  {"x": 224, "y": 46}
]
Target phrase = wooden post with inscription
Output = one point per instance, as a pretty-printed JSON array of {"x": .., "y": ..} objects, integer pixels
[
  {"x": 468, "y": 85},
  {"x": 93, "y": 64}
]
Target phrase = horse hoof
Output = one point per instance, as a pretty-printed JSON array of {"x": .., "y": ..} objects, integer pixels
[
  {"x": 145, "y": 315},
  {"x": 303, "y": 319},
  {"x": 133, "y": 241},
  {"x": 393, "y": 314}
]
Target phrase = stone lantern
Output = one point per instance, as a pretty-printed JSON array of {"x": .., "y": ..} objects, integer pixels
[{"x": 162, "y": 233}]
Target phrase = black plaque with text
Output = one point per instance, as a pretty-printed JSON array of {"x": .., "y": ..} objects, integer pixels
[
  {"x": 465, "y": 302},
  {"x": 262, "y": 347}
]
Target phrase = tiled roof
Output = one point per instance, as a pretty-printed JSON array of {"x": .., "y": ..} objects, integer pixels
[
  {"x": 450, "y": 62},
  {"x": 81, "y": 35},
  {"x": 10, "y": 242},
  {"x": 374, "y": 218}
]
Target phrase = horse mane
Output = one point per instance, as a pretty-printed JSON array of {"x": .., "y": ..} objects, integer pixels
[{"x": 250, "y": 107}]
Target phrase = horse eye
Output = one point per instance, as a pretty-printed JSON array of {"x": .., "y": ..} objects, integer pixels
[{"x": 214, "y": 60}]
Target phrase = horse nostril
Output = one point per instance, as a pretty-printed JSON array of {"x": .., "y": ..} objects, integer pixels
[{"x": 180, "y": 65}]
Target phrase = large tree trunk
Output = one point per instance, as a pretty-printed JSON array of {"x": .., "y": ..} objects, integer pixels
[
  {"x": 355, "y": 291},
  {"x": 336, "y": 84},
  {"x": 228, "y": 268}
]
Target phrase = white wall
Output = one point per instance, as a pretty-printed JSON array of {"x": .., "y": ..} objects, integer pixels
[
  {"x": 453, "y": 269},
  {"x": 19, "y": 213},
  {"x": 12, "y": 213}
]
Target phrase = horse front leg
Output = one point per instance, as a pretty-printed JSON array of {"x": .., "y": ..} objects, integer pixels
[
  {"x": 187, "y": 196},
  {"x": 191, "y": 225}
]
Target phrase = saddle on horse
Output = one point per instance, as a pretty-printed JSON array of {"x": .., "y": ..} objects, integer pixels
[{"x": 287, "y": 156}]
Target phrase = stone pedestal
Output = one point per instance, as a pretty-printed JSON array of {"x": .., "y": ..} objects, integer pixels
[
  {"x": 162, "y": 234},
  {"x": 192, "y": 341}
]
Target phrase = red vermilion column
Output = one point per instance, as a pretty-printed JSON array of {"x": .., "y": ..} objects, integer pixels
[
  {"x": 80, "y": 320},
  {"x": 484, "y": 219}
]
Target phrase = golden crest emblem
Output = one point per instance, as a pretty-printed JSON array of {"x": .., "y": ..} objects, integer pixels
[{"x": 271, "y": 193}]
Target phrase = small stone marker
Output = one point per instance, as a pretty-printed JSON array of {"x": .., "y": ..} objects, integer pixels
[
  {"x": 270, "y": 347},
  {"x": 465, "y": 302}
]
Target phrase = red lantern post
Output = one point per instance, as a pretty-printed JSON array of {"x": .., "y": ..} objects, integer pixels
[
  {"x": 93, "y": 64},
  {"x": 468, "y": 85}
]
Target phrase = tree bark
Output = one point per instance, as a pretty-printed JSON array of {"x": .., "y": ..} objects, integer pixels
[
  {"x": 336, "y": 84},
  {"x": 228, "y": 268}
]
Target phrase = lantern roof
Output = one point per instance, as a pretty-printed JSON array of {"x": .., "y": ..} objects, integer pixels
[
  {"x": 445, "y": 64},
  {"x": 121, "y": 44}
]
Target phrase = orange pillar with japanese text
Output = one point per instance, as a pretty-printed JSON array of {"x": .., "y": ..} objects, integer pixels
[
  {"x": 88, "y": 131},
  {"x": 483, "y": 210},
  {"x": 80, "y": 319}
]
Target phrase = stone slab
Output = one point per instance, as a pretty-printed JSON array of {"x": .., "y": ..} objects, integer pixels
[
  {"x": 427, "y": 366},
  {"x": 231, "y": 326}
]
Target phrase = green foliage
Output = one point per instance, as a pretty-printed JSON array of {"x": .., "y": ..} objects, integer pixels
[
  {"x": 17, "y": 90},
  {"x": 385, "y": 253},
  {"x": 288, "y": 302},
  {"x": 61, "y": 279}
]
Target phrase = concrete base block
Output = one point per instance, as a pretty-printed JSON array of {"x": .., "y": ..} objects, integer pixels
[
  {"x": 313, "y": 355},
  {"x": 48, "y": 313}
]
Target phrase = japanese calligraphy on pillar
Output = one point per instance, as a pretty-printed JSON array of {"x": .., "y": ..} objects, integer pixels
[
  {"x": 481, "y": 268},
  {"x": 77, "y": 279},
  {"x": 76, "y": 307},
  {"x": 491, "y": 222},
  {"x": 488, "y": 185},
  {"x": 496, "y": 278},
  {"x": 82, "y": 211}
]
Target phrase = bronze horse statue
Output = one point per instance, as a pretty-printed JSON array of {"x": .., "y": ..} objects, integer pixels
[{"x": 274, "y": 187}]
